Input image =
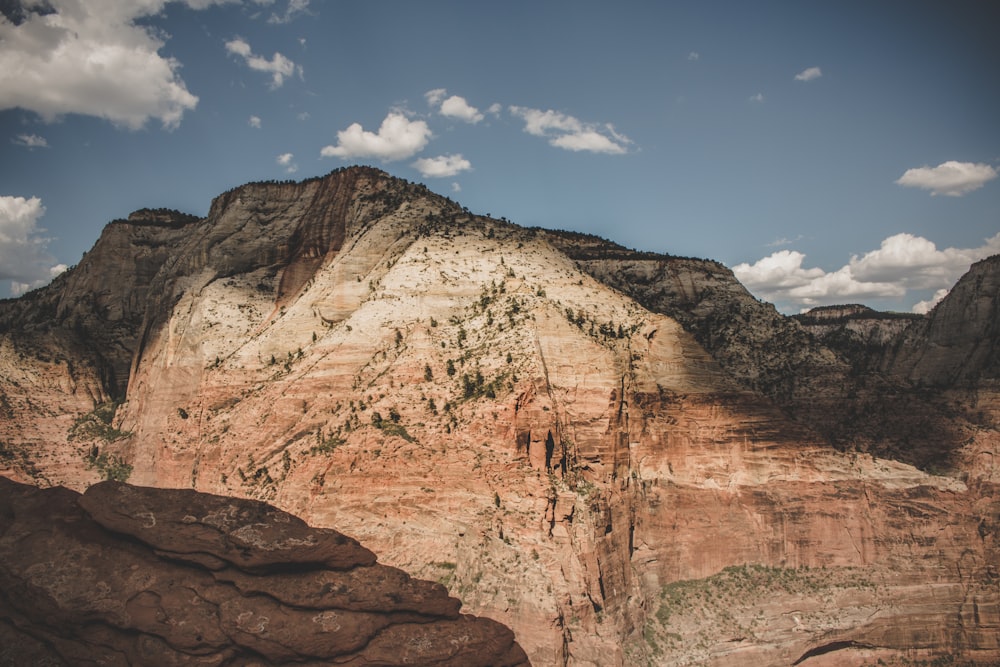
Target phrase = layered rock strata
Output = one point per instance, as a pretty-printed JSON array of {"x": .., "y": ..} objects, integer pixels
[
  {"x": 126, "y": 575},
  {"x": 622, "y": 456}
]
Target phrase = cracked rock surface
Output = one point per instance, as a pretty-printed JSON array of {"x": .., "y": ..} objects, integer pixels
[{"x": 125, "y": 575}]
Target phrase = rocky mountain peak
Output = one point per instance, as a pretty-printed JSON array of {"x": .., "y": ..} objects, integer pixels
[{"x": 605, "y": 449}]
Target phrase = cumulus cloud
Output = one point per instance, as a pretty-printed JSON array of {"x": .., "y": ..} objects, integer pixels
[
  {"x": 254, "y": 121},
  {"x": 951, "y": 178},
  {"x": 397, "y": 138},
  {"x": 693, "y": 55},
  {"x": 30, "y": 141},
  {"x": 567, "y": 132},
  {"x": 453, "y": 107},
  {"x": 758, "y": 98},
  {"x": 442, "y": 166},
  {"x": 457, "y": 107},
  {"x": 287, "y": 160},
  {"x": 24, "y": 259},
  {"x": 924, "y": 307},
  {"x": 68, "y": 56},
  {"x": 809, "y": 74},
  {"x": 902, "y": 263},
  {"x": 278, "y": 66}
]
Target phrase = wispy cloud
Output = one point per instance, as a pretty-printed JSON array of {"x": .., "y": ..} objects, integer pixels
[
  {"x": 278, "y": 66},
  {"x": 777, "y": 243},
  {"x": 569, "y": 133},
  {"x": 757, "y": 98},
  {"x": 294, "y": 8},
  {"x": 30, "y": 141},
  {"x": 951, "y": 178},
  {"x": 902, "y": 263},
  {"x": 693, "y": 55},
  {"x": 397, "y": 138},
  {"x": 809, "y": 74},
  {"x": 254, "y": 121},
  {"x": 442, "y": 166}
]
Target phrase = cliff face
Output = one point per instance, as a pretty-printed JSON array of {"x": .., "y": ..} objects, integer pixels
[
  {"x": 623, "y": 456},
  {"x": 126, "y": 575},
  {"x": 958, "y": 343},
  {"x": 821, "y": 375}
]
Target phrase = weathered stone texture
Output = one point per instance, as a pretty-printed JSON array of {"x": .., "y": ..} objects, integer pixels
[
  {"x": 109, "y": 578},
  {"x": 623, "y": 456}
]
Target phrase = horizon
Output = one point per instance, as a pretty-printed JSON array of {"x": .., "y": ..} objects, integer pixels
[{"x": 827, "y": 155}]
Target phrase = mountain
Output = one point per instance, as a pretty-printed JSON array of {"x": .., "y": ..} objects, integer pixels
[{"x": 623, "y": 456}]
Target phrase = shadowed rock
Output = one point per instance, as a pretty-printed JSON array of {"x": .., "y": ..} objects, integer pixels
[{"x": 136, "y": 576}]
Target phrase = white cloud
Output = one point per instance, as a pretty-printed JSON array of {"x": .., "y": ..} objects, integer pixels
[
  {"x": 287, "y": 160},
  {"x": 453, "y": 107},
  {"x": 758, "y": 98},
  {"x": 539, "y": 123},
  {"x": 92, "y": 58},
  {"x": 781, "y": 269},
  {"x": 569, "y": 133},
  {"x": 442, "y": 166},
  {"x": 30, "y": 141},
  {"x": 916, "y": 263},
  {"x": 902, "y": 263},
  {"x": 951, "y": 178},
  {"x": 924, "y": 307},
  {"x": 278, "y": 66},
  {"x": 455, "y": 187},
  {"x": 254, "y": 121},
  {"x": 24, "y": 259},
  {"x": 587, "y": 140},
  {"x": 693, "y": 55},
  {"x": 809, "y": 74},
  {"x": 457, "y": 107},
  {"x": 397, "y": 139}
]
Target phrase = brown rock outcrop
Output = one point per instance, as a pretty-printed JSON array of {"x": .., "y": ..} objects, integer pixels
[{"x": 137, "y": 576}]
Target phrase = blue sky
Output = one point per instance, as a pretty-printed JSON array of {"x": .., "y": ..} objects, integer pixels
[{"x": 834, "y": 152}]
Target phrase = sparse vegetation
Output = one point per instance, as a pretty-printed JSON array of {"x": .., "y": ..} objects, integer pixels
[
  {"x": 96, "y": 424},
  {"x": 110, "y": 466}
]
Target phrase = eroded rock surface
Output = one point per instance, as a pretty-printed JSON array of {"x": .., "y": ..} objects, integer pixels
[
  {"x": 127, "y": 575},
  {"x": 623, "y": 456}
]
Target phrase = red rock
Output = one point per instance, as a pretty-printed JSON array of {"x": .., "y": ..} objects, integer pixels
[{"x": 79, "y": 590}]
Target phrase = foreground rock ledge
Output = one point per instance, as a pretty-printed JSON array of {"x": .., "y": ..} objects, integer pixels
[{"x": 126, "y": 575}]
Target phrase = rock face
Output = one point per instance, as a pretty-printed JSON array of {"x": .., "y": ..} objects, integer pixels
[
  {"x": 958, "y": 344},
  {"x": 126, "y": 575},
  {"x": 623, "y": 456}
]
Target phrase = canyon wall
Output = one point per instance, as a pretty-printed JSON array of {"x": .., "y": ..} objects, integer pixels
[{"x": 624, "y": 457}]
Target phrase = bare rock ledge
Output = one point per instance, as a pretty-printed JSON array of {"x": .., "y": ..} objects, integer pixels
[{"x": 126, "y": 575}]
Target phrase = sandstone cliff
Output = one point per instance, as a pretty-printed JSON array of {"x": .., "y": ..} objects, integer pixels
[
  {"x": 623, "y": 456},
  {"x": 133, "y": 576}
]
